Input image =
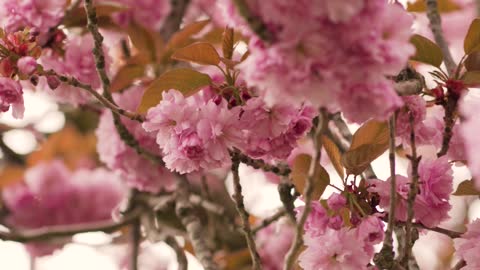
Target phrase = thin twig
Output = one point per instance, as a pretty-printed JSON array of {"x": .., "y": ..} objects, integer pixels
[
  {"x": 266, "y": 222},
  {"x": 46, "y": 233},
  {"x": 103, "y": 100},
  {"x": 436, "y": 27},
  {"x": 181, "y": 258},
  {"x": 307, "y": 193},
  {"x": 385, "y": 257},
  {"x": 414, "y": 161},
  {"x": 255, "y": 23},
  {"x": 459, "y": 265},
  {"x": 136, "y": 237},
  {"x": 194, "y": 227},
  {"x": 281, "y": 169},
  {"x": 285, "y": 192},
  {"x": 174, "y": 19},
  {"x": 238, "y": 198}
]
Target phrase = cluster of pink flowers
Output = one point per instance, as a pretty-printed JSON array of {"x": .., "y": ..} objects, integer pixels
[
  {"x": 197, "y": 132},
  {"x": 467, "y": 247},
  {"x": 331, "y": 243},
  {"x": 148, "y": 13},
  {"x": 139, "y": 172},
  {"x": 308, "y": 59},
  {"x": 271, "y": 132},
  {"x": 11, "y": 95},
  {"x": 273, "y": 243},
  {"x": 78, "y": 62},
  {"x": 39, "y": 14},
  {"x": 194, "y": 133},
  {"x": 52, "y": 195},
  {"x": 432, "y": 202}
]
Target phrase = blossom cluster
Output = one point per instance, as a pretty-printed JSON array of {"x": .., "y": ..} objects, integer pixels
[{"x": 49, "y": 193}]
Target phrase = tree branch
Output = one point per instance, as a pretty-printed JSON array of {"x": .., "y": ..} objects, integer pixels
[
  {"x": 181, "y": 258},
  {"x": 136, "y": 237},
  {"x": 45, "y": 233},
  {"x": 238, "y": 198},
  {"x": 281, "y": 169},
  {"x": 436, "y": 27},
  {"x": 307, "y": 193},
  {"x": 255, "y": 23},
  {"x": 266, "y": 222},
  {"x": 174, "y": 19},
  {"x": 385, "y": 257},
  {"x": 414, "y": 161},
  {"x": 194, "y": 227}
]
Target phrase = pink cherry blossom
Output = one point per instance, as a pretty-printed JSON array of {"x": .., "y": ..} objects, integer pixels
[
  {"x": 197, "y": 136},
  {"x": 432, "y": 202},
  {"x": 468, "y": 129},
  {"x": 27, "y": 65},
  {"x": 77, "y": 62},
  {"x": 11, "y": 95},
  {"x": 138, "y": 171},
  {"x": 467, "y": 246},
  {"x": 273, "y": 242},
  {"x": 335, "y": 250},
  {"x": 50, "y": 192}
]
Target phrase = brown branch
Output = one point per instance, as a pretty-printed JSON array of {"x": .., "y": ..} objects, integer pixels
[
  {"x": 255, "y": 23},
  {"x": 46, "y": 233},
  {"x": 266, "y": 222},
  {"x": 307, "y": 193},
  {"x": 103, "y": 100},
  {"x": 281, "y": 169},
  {"x": 285, "y": 192},
  {"x": 174, "y": 19},
  {"x": 449, "y": 120},
  {"x": 181, "y": 258},
  {"x": 459, "y": 265},
  {"x": 414, "y": 161},
  {"x": 136, "y": 237},
  {"x": 436, "y": 27},
  {"x": 385, "y": 257},
  {"x": 238, "y": 198},
  {"x": 194, "y": 227}
]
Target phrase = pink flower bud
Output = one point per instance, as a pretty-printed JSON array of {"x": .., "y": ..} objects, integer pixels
[
  {"x": 27, "y": 65},
  {"x": 53, "y": 82}
]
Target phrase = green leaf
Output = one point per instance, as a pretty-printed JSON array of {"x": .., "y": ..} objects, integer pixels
[
  {"x": 426, "y": 51},
  {"x": 201, "y": 53},
  {"x": 473, "y": 61},
  {"x": 368, "y": 143},
  {"x": 321, "y": 181},
  {"x": 185, "y": 80},
  {"x": 125, "y": 76},
  {"x": 472, "y": 40},
  {"x": 182, "y": 37},
  {"x": 444, "y": 6},
  {"x": 471, "y": 78},
  {"x": 228, "y": 42},
  {"x": 466, "y": 188}
]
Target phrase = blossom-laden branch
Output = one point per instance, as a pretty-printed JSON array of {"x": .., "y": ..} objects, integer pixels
[
  {"x": 307, "y": 193},
  {"x": 194, "y": 227},
  {"x": 181, "y": 258},
  {"x": 238, "y": 198},
  {"x": 46, "y": 233},
  {"x": 414, "y": 160},
  {"x": 385, "y": 257},
  {"x": 436, "y": 27}
]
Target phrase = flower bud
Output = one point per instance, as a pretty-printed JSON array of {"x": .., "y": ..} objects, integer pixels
[
  {"x": 27, "y": 65},
  {"x": 53, "y": 82}
]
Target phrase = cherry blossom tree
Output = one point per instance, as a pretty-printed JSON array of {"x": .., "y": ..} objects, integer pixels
[{"x": 361, "y": 113}]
